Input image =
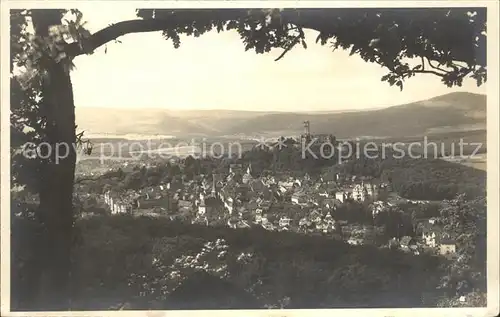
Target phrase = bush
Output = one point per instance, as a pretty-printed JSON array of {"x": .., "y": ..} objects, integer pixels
[{"x": 145, "y": 260}]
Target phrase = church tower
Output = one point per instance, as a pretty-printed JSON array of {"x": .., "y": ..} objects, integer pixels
[
  {"x": 306, "y": 136},
  {"x": 248, "y": 175}
]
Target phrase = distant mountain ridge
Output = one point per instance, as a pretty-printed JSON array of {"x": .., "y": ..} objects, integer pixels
[{"x": 453, "y": 111}]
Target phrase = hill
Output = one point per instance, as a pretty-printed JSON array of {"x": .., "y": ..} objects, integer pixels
[
  {"x": 451, "y": 112},
  {"x": 134, "y": 121}
]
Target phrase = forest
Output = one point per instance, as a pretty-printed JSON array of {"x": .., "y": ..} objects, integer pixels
[{"x": 123, "y": 258}]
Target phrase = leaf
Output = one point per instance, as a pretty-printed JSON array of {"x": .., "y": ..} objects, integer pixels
[{"x": 353, "y": 50}]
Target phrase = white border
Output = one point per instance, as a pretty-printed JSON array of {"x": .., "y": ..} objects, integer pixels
[{"x": 492, "y": 155}]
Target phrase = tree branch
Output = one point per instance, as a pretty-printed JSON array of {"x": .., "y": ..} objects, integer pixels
[
  {"x": 435, "y": 67},
  {"x": 319, "y": 20},
  {"x": 422, "y": 71},
  {"x": 116, "y": 30},
  {"x": 295, "y": 41}
]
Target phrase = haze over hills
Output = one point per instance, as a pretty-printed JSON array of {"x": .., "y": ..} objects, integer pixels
[{"x": 450, "y": 112}]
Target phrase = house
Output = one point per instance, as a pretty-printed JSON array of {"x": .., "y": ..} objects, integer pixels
[
  {"x": 242, "y": 224},
  {"x": 287, "y": 185},
  {"x": 258, "y": 218},
  {"x": 184, "y": 205},
  {"x": 233, "y": 222},
  {"x": 429, "y": 235},
  {"x": 355, "y": 241},
  {"x": 235, "y": 168},
  {"x": 340, "y": 196},
  {"x": 321, "y": 226},
  {"x": 328, "y": 228},
  {"x": 406, "y": 242},
  {"x": 267, "y": 225},
  {"x": 284, "y": 221},
  {"x": 241, "y": 210},
  {"x": 332, "y": 203},
  {"x": 433, "y": 220},
  {"x": 202, "y": 208},
  {"x": 229, "y": 204},
  {"x": 324, "y": 193},
  {"x": 365, "y": 191},
  {"x": 247, "y": 177},
  {"x": 282, "y": 189},
  {"x": 372, "y": 191},
  {"x": 297, "y": 183},
  {"x": 200, "y": 220},
  {"x": 303, "y": 222},
  {"x": 315, "y": 216},
  {"x": 299, "y": 197},
  {"x": 378, "y": 207},
  {"x": 269, "y": 180},
  {"x": 306, "y": 224},
  {"x": 107, "y": 197},
  {"x": 433, "y": 236},
  {"x": 329, "y": 219},
  {"x": 447, "y": 246},
  {"x": 358, "y": 192}
]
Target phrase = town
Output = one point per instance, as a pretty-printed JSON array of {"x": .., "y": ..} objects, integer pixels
[{"x": 332, "y": 203}]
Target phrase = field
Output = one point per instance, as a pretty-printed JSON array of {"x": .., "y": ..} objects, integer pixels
[
  {"x": 468, "y": 148},
  {"x": 477, "y": 162}
]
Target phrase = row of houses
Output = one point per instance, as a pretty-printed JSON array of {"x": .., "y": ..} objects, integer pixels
[
  {"x": 239, "y": 197},
  {"x": 434, "y": 236},
  {"x": 117, "y": 204}
]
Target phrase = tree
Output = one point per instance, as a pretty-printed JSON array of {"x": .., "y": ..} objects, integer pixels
[
  {"x": 396, "y": 225},
  {"x": 450, "y": 38},
  {"x": 51, "y": 99},
  {"x": 450, "y": 43},
  {"x": 465, "y": 221},
  {"x": 133, "y": 180}
]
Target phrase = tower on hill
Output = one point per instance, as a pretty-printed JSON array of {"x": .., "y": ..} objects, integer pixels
[{"x": 307, "y": 131}]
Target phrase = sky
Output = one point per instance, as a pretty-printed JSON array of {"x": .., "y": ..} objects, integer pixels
[{"x": 214, "y": 72}]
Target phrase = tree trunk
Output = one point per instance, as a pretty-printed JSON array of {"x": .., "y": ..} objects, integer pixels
[{"x": 56, "y": 174}]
